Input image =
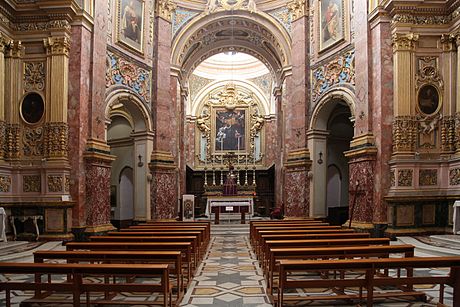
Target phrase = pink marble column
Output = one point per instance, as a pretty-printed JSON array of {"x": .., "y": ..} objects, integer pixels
[
  {"x": 164, "y": 160},
  {"x": 296, "y": 159}
]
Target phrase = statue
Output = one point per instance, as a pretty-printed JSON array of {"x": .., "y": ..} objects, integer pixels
[
  {"x": 251, "y": 6},
  {"x": 230, "y": 182}
]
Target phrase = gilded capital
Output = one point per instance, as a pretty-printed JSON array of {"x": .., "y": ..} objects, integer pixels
[
  {"x": 404, "y": 41},
  {"x": 15, "y": 49},
  {"x": 447, "y": 42},
  {"x": 4, "y": 43},
  {"x": 164, "y": 9},
  {"x": 296, "y": 8},
  {"x": 57, "y": 45}
]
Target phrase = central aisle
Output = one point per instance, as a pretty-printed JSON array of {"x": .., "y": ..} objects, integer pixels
[{"x": 229, "y": 275}]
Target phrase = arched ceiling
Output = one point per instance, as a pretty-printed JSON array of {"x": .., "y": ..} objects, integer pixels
[
  {"x": 254, "y": 34},
  {"x": 231, "y": 65}
]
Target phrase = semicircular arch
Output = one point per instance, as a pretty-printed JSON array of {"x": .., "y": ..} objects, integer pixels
[{"x": 257, "y": 34}]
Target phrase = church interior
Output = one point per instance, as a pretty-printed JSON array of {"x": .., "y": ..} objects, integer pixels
[{"x": 236, "y": 123}]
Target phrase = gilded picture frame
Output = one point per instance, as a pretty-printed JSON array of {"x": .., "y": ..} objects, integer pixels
[
  {"x": 230, "y": 130},
  {"x": 332, "y": 21},
  {"x": 130, "y": 24}
]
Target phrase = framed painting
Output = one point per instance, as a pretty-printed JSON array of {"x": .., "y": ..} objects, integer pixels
[
  {"x": 130, "y": 23},
  {"x": 331, "y": 23},
  {"x": 230, "y": 129}
]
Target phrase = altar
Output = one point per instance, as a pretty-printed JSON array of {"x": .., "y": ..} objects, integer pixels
[{"x": 230, "y": 204}]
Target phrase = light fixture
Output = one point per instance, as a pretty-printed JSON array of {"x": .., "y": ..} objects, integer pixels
[
  {"x": 140, "y": 163},
  {"x": 320, "y": 160}
]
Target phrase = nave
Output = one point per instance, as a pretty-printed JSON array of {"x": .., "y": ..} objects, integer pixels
[{"x": 231, "y": 275}]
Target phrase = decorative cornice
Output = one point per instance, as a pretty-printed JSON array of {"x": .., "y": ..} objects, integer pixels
[
  {"x": 404, "y": 41},
  {"x": 421, "y": 19},
  {"x": 57, "y": 45},
  {"x": 297, "y": 8},
  {"x": 164, "y": 9}
]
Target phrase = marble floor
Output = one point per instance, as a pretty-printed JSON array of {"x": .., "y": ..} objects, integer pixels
[{"x": 230, "y": 275}]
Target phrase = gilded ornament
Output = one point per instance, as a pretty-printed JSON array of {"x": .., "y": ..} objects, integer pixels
[
  {"x": 448, "y": 133},
  {"x": 404, "y": 41},
  {"x": 31, "y": 183},
  {"x": 405, "y": 177},
  {"x": 5, "y": 183},
  {"x": 56, "y": 139},
  {"x": 454, "y": 176},
  {"x": 421, "y": 19},
  {"x": 405, "y": 130},
  {"x": 3, "y": 139},
  {"x": 32, "y": 140},
  {"x": 67, "y": 183},
  {"x": 11, "y": 145},
  {"x": 164, "y": 9},
  {"x": 392, "y": 178},
  {"x": 16, "y": 49},
  {"x": 297, "y": 8},
  {"x": 4, "y": 43},
  {"x": 428, "y": 177},
  {"x": 339, "y": 71},
  {"x": 54, "y": 183},
  {"x": 34, "y": 76},
  {"x": 57, "y": 45}
]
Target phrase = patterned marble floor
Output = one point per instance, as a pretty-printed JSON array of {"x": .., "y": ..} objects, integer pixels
[{"x": 228, "y": 276}]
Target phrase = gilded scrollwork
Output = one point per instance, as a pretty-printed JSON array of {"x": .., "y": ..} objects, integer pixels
[
  {"x": 404, "y": 41},
  {"x": 42, "y": 26},
  {"x": 54, "y": 183},
  {"x": 32, "y": 140},
  {"x": 340, "y": 70},
  {"x": 405, "y": 130},
  {"x": 56, "y": 139},
  {"x": 428, "y": 177},
  {"x": 454, "y": 176},
  {"x": 2, "y": 139},
  {"x": 34, "y": 76},
  {"x": 392, "y": 178},
  {"x": 5, "y": 183},
  {"x": 448, "y": 133},
  {"x": 31, "y": 183},
  {"x": 67, "y": 183},
  {"x": 405, "y": 177},
  {"x": 11, "y": 145},
  {"x": 421, "y": 19}
]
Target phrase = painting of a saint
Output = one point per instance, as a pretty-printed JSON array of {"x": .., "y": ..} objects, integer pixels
[
  {"x": 428, "y": 99},
  {"x": 230, "y": 130},
  {"x": 331, "y": 22},
  {"x": 130, "y": 23}
]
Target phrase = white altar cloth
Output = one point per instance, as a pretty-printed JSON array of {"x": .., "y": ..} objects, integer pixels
[{"x": 230, "y": 201}]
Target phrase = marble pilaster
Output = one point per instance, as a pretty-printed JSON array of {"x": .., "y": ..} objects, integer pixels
[
  {"x": 164, "y": 161},
  {"x": 381, "y": 100}
]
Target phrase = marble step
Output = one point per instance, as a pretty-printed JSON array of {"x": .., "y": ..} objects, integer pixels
[
  {"x": 427, "y": 250},
  {"x": 25, "y": 254}
]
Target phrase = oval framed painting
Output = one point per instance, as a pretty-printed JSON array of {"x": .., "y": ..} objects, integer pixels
[
  {"x": 428, "y": 99},
  {"x": 32, "y": 108}
]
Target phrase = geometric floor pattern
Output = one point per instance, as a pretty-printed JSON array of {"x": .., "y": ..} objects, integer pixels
[{"x": 229, "y": 276}]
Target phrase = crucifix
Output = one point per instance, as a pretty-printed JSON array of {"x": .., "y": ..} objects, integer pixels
[{"x": 355, "y": 192}]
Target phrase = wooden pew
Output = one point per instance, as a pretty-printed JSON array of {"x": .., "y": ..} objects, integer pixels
[
  {"x": 203, "y": 237},
  {"x": 254, "y": 234},
  {"x": 184, "y": 247},
  {"x": 77, "y": 284},
  {"x": 290, "y": 233},
  {"x": 204, "y": 228},
  {"x": 280, "y": 225},
  {"x": 203, "y": 246},
  {"x": 170, "y": 257},
  {"x": 206, "y": 224},
  {"x": 319, "y": 243},
  {"x": 192, "y": 239},
  {"x": 302, "y": 253},
  {"x": 371, "y": 280}
]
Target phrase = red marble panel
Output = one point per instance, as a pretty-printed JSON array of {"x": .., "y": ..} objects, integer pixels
[
  {"x": 189, "y": 139},
  {"x": 362, "y": 170},
  {"x": 271, "y": 145},
  {"x": 164, "y": 194},
  {"x": 98, "y": 193},
  {"x": 297, "y": 193}
]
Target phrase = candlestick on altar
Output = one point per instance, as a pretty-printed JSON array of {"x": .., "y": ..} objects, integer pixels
[
  {"x": 246, "y": 176},
  {"x": 222, "y": 175},
  {"x": 238, "y": 175},
  {"x": 213, "y": 175},
  {"x": 254, "y": 176},
  {"x": 205, "y": 177}
]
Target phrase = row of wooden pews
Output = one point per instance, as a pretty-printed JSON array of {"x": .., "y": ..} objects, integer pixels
[
  {"x": 154, "y": 257},
  {"x": 308, "y": 254}
]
